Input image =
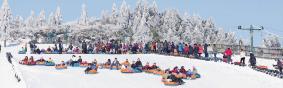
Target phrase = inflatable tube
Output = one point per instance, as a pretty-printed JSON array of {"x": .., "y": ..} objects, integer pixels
[
  {"x": 84, "y": 65},
  {"x": 40, "y": 63},
  {"x": 22, "y": 52},
  {"x": 91, "y": 72},
  {"x": 183, "y": 76},
  {"x": 61, "y": 67},
  {"x": 261, "y": 67},
  {"x": 49, "y": 64},
  {"x": 31, "y": 63},
  {"x": 76, "y": 65},
  {"x": 158, "y": 72},
  {"x": 23, "y": 62},
  {"x": 168, "y": 83},
  {"x": 126, "y": 70},
  {"x": 149, "y": 71},
  {"x": 115, "y": 68}
]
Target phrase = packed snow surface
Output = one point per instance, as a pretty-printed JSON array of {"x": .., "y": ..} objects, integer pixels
[{"x": 213, "y": 74}]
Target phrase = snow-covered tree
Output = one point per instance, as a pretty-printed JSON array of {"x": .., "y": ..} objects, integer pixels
[
  {"x": 31, "y": 21},
  {"x": 271, "y": 41},
  {"x": 41, "y": 19},
  {"x": 84, "y": 20},
  {"x": 5, "y": 19}
]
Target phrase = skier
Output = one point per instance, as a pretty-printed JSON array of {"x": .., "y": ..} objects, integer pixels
[
  {"x": 252, "y": 60},
  {"x": 0, "y": 48},
  {"x": 242, "y": 56}
]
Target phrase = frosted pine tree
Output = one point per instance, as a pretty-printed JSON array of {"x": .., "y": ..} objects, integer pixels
[
  {"x": 31, "y": 21},
  {"x": 5, "y": 18},
  {"x": 271, "y": 41},
  {"x": 58, "y": 17},
  {"x": 84, "y": 20},
  {"x": 41, "y": 20}
]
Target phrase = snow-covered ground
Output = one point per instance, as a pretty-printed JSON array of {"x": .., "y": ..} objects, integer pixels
[{"x": 214, "y": 74}]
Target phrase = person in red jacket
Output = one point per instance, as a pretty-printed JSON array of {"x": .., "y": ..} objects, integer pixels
[
  {"x": 228, "y": 52},
  {"x": 146, "y": 67},
  {"x": 183, "y": 70},
  {"x": 175, "y": 70},
  {"x": 154, "y": 66},
  {"x": 200, "y": 50},
  {"x": 186, "y": 49}
]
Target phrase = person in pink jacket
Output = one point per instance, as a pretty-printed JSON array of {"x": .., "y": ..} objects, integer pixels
[
  {"x": 200, "y": 50},
  {"x": 228, "y": 52}
]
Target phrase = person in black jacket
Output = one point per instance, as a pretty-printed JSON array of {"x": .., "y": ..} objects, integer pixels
[
  {"x": 84, "y": 47},
  {"x": 138, "y": 65},
  {"x": 279, "y": 65},
  {"x": 252, "y": 60}
]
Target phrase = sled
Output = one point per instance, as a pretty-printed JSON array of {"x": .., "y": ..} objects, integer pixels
[
  {"x": 31, "y": 63},
  {"x": 158, "y": 72},
  {"x": 182, "y": 76},
  {"x": 149, "y": 71},
  {"x": 91, "y": 72},
  {"x": 23, "y": 62},
  {"x": 49, "y": 64},
  {"x": 22, "y": 52},
  {"x": 58, "y": 67},
  {"x": 84, "y": 64},
  {"x": 115, "y": 68},
  {"x": 126, "y": 70},
  {"x": 40, "y": 63},
  {"x": 76, "y": 65},
  {"x": 168, "y": 83},
  {"x": 261, "y": 67}
]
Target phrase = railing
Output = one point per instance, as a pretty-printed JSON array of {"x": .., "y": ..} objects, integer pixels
[{"x": 260, "y": 52}]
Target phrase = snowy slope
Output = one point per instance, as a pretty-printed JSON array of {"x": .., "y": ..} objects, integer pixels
[{"x": 214, "y": 74}]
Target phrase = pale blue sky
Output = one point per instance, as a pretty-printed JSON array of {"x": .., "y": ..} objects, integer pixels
[{"x": 227, "y": 14}]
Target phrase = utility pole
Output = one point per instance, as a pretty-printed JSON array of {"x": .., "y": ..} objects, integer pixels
[{"x": 251, "y": 29}]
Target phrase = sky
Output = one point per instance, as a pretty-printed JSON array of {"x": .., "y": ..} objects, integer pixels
[{"x": 227, "y": 14}]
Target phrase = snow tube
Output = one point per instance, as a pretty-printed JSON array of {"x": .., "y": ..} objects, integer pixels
[
  {"x": 137, "y": 71},
  {"x": 31, "y": 63},
  {"x": 115, "y": 68},
  {"x": 237, "y": 63},
  {"x": 49, "y": 64},
  {"x": 58, "y": 67},
  {"x": 91, "y": 72},
  {"x": 55, "y": 52},
  {"x": 40, "y": 63},
  {"x": 23, "y": 62},
  {"x": 261, "y": 67},
  {"x": 76, "y": 65},
  {"x": 84, "y": 64},
  {"x": 158, "y": 72},
  {"x": 126, "y": 70},
  {"x": 149, "y": 71},
  {"x": 22, "y": 52},
  {"x": 183, "y": 76},
  {"x": 169, "y": 83},
  {"x": 103, "y": 66}
]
